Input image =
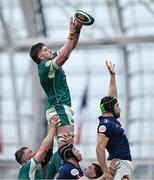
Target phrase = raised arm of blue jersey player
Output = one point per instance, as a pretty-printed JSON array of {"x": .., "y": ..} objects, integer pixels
[{"x": 112, "y": 84}]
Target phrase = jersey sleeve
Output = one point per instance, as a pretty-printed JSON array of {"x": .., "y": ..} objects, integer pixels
[
  {"x": 48, "y": 69},
  {"x": 33, "y": 165},
  {"x": 106, "y": 129},
  {"x": 28, "y": 169},
  {"x": 54, "y": 65}
]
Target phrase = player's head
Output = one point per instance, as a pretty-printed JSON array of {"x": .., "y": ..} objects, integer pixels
[
  {"x": 93, "y": 171},
  {"x": 68, "y": 151},
  {"x": 110, "y": 104},
  {"x": 40, "y": 51},
  {"x": 23, "y": 155}
]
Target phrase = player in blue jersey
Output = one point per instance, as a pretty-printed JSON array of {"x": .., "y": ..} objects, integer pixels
[
  {"x": 92, "y": 171},
  {"x": 111, "y": 136},
  {"x": 71, "y": 168},
  {"x": 29, "y": 160},
  {"x": 71, "y": 157},
  {"x": 53, "y": 78}
]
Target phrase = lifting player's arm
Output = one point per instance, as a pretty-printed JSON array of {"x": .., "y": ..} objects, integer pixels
[
  {"x": 47, "y": 142},
  {"x": 101, "y": 158},
  {"x": 47, "y": 157},
  {"x": 70, "y": 43},
  {"x": 112, "y": 84}
]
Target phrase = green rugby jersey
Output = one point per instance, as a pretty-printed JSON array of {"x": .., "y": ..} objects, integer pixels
[
  {"x": 29, "y": 170},
  {"x": 53, "y": 81},
  {"x": 54, "y": 165}
]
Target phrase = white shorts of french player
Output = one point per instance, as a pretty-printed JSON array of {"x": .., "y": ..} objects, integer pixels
[{"x": 126, "y": 168}]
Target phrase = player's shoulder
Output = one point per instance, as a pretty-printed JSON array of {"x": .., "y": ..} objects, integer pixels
[
  {"x": 44, "y": 63},
  {"x": 105, "y": 120},
  {"x": 24, "y": 169},
  {"x": 64, "y": 168},
  {"x": 105, "y": 124}
]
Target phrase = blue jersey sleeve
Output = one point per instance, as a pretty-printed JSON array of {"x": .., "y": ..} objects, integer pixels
[{"x": 106, "y": 129}]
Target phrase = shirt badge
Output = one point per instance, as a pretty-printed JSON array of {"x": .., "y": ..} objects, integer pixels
[
  {"x": 102, "y": 129},
  {"x": 47, "y": 63},
  {"x": 74, "y": 172},
  {"x": 106, "y": 121}
]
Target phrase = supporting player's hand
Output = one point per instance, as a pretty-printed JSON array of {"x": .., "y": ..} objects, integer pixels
[
  {"x": 110, "y": 67},
  {"x": 67, "y": 138},
  {"x": 54, "y": 121},
  {"x": 106, "y": 176},
  {"x": 115, "y": 164}
]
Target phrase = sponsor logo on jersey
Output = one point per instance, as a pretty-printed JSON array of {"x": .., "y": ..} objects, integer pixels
[
  {"x": 102, "y": 129},
  {"x": 106, "y": 121},
  {"x": 74, "y": 172},
  {"x": 47, "y": 63}
]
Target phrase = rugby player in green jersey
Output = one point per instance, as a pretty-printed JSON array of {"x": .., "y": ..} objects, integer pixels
[
  {"x": 55, "y": 161},
  {"x": 53, "y": 79},
  {"x": 29, "y": 160}
]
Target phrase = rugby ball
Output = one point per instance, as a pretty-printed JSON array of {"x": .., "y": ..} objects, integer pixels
[{"x": 84, "y": 17}]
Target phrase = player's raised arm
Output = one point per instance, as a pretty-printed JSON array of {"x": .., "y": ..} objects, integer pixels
[
  {"x": 70, "y": 42},
  {"x": 77, "y": 33},
  {"x": 47, "y": 142},
  {"x": 112, "y": 84}
]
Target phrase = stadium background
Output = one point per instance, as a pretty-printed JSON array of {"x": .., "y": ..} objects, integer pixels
[{"x": 123, "y": 32}]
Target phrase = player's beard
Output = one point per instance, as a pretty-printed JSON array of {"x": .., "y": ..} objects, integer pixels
[{"x": 116, "y": 115}]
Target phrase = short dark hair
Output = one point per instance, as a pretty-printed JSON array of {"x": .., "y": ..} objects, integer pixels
[
  {"x": 98, "y": 170},
  {"x": 34, "y": 51},
  {"x": 19, "y": 155}
]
